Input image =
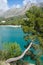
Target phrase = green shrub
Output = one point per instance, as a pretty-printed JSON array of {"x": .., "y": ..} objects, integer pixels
[{"x": 10, "y": 50}]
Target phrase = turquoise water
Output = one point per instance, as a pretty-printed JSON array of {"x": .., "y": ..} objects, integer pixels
[{"x": 12, "y": 34}]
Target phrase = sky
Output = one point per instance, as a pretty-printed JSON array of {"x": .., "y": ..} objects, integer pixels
[{"x": 6, "y": 4}]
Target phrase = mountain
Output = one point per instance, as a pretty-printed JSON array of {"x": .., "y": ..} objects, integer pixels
[
  {"x": 41, "y": 4},
  {"x": 17, "y": 11}
]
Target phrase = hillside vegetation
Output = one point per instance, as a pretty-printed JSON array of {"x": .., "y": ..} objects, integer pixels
[
  {"x": 34, "y": 25},
  {"x": 32, "y": 22}
]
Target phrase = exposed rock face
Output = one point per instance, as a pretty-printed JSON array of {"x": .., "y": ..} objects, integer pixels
[
  {"x": 17, "y": 11},
  {"x": 41, "y": 4},
  {"x": 3, "y": 63}
]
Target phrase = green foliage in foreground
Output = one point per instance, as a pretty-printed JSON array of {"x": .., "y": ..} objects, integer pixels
[{"x": 10, "y": 50}]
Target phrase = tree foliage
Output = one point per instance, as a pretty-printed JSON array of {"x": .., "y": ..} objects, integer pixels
[
  {"x": 10, "y": 50},
  {"x": 34, "y": 24}
]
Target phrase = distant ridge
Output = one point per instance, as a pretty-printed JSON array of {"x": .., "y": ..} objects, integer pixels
[
  {"x": 17, "y": 11},
  {"x": 41, "y": 4}
]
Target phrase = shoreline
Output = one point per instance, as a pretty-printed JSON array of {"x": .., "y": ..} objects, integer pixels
[{"x": 11, "y": 25}]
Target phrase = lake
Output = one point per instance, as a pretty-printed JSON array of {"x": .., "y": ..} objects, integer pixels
[{"x": 13, "y": 34}]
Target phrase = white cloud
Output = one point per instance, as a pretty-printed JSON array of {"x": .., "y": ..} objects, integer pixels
[
  {"x": 3, "y": 5},
  {"x": 16, "y": 6},
  {"x": 27, "y": 1},
  {"x": 39, "y": 1},
  {"x": 33, "y": 1}
]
